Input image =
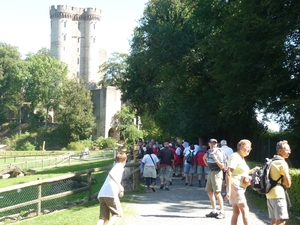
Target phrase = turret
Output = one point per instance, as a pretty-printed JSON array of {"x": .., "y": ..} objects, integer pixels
[{"x": 74, "y": 40}]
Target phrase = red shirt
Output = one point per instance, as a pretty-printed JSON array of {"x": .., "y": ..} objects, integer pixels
[{"x": 199, "y": 158}]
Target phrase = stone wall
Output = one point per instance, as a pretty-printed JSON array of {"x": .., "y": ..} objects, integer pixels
[{"x": 107, "y": 101}]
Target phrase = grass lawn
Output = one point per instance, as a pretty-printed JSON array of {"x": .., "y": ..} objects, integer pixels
[
  {"x": 84, "y": 214},
  {"x": 56, "y": 171},
  {"x": 88, "y": 213}
]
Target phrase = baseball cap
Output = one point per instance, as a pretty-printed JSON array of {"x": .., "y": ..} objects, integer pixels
[{"x": 213, "y": 140}]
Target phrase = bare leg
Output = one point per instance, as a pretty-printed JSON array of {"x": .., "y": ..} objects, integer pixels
[
  {"x": 235, "y": 214},
  {"x": 101, "y": 222},
  {"x": 212, "y": 199},
  {"x": 191, "y": 178},
  {"x": 277, "y": 222},
  {"x": 113, "y": 220},
  {"x": 220, "y": 200},
  {"x": 200, "y": 179},
  {"x": 244, "y": 209}
]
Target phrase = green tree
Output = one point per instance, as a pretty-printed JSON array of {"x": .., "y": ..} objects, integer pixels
[
  {"x": 75, "y": 111},
  {"x": 204, "y": 67},
  {"x": 44, "y": 85},
  {"x": 167, "y": 73},
  {"x": 124, "y": 123},
  {"x": 114, "y": 70},
  {"x": 12, "y": 74}
]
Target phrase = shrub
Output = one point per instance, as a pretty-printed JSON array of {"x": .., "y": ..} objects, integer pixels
[
  {"x": 109, "y": 142},
  {"x": 76, "y": 146},
  {"x": 27, "y": 146},
  {"x": 102, "y": 142},
  {"x": 99, "y": 142},
  {"x": 12, "y": 125},
  {"x": 88, "y": 144}
]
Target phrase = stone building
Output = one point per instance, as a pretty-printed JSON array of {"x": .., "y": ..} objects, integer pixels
[{"x": 75, "y": 41}]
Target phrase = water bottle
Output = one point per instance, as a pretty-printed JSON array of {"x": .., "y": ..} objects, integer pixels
[{"x": 245, "y": 181}]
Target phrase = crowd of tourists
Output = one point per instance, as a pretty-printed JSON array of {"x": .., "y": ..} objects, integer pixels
[
  {"x": 223, "y": 173},
  {"x": 219, "y": 169}
]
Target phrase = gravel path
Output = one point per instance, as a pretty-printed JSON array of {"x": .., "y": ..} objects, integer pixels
[{"x": 179, "y": 206}]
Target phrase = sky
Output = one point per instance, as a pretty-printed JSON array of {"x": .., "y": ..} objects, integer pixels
[{"x": 26, "y": 23}]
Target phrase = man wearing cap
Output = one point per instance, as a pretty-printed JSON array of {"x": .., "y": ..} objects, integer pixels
[
  {"x": 215, "y": 162},
  {"x": 167, "y": 166}
]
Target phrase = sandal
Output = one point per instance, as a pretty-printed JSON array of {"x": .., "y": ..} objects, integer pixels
[{"x": 153, "y": 189}]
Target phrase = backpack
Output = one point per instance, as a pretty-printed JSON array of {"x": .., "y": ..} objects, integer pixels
[
  {"x": 181, "y": 152},
  {"x": 261, "y": 179},
  {"x": 190, "y": 157}
]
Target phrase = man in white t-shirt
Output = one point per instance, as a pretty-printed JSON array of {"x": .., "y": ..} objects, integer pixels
[
  {"x": 228, "y": 152},
  {"x": 110, "y": 192}
]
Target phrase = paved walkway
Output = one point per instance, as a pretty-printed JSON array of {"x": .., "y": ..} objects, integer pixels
[{"x": 179, "y": 206}]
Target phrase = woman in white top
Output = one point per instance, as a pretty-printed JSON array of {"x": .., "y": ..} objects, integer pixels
[{"x": 150, "y": 161}]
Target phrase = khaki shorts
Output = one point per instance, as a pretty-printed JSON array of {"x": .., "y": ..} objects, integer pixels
[
  {"x": 214, "y": 181},
  {"x": 110, "y": 205},
  {"x": 237, "y": 195},
  {"x": 166, "y": 172},
  {"x": 277, "y": 208}
]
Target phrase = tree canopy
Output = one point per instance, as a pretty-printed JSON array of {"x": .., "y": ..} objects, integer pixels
[{"x": 203, "y": 68}]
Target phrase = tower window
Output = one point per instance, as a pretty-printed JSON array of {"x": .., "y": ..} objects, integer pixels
[
  {"x": 65, "y": 23},
  {"x": 77, "y": 60},
  {"x": 65, "y": 37},
  {"x": 94, "y": 40},
  {"x": 94, "y": 26},
  {"x": 78, "y": 40}
]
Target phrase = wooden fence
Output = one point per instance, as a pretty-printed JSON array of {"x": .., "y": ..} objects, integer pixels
[{"x": 37, "y": 186}]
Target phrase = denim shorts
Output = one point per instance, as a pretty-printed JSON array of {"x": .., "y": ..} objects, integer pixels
[{"x": 189, "y": 168}]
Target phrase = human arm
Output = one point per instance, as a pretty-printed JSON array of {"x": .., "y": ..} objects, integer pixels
[
  {"x": 173, "y": 164},
  {"x": 253, "y": 170},
  {"x": 287, "y": 181},
  {"x": 217, "y": 161},
  {"x": 228, "y": 182},
  {"x": 114, "y": 177},
  {"x": 204, "y": 159}
]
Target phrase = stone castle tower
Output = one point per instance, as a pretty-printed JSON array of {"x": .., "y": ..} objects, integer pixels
[{"x": 75, "y": 41}]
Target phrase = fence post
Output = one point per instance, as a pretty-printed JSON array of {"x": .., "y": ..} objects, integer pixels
[
  {"x": 135, "y": 176},
  {"x": 39, "y": 196}
]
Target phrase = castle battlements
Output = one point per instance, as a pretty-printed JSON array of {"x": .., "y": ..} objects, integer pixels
[{"x": 67, "y": 11}]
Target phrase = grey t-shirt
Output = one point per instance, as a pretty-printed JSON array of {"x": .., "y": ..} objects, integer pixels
[{"x": 211, "y": 162}]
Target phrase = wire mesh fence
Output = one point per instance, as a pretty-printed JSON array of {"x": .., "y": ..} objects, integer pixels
[
  {"x": 39, "y": 197},
  {"x": 42, "y": 160}
]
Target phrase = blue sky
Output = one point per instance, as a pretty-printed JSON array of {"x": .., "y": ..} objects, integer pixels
[{"x": 26, "y": 23}]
